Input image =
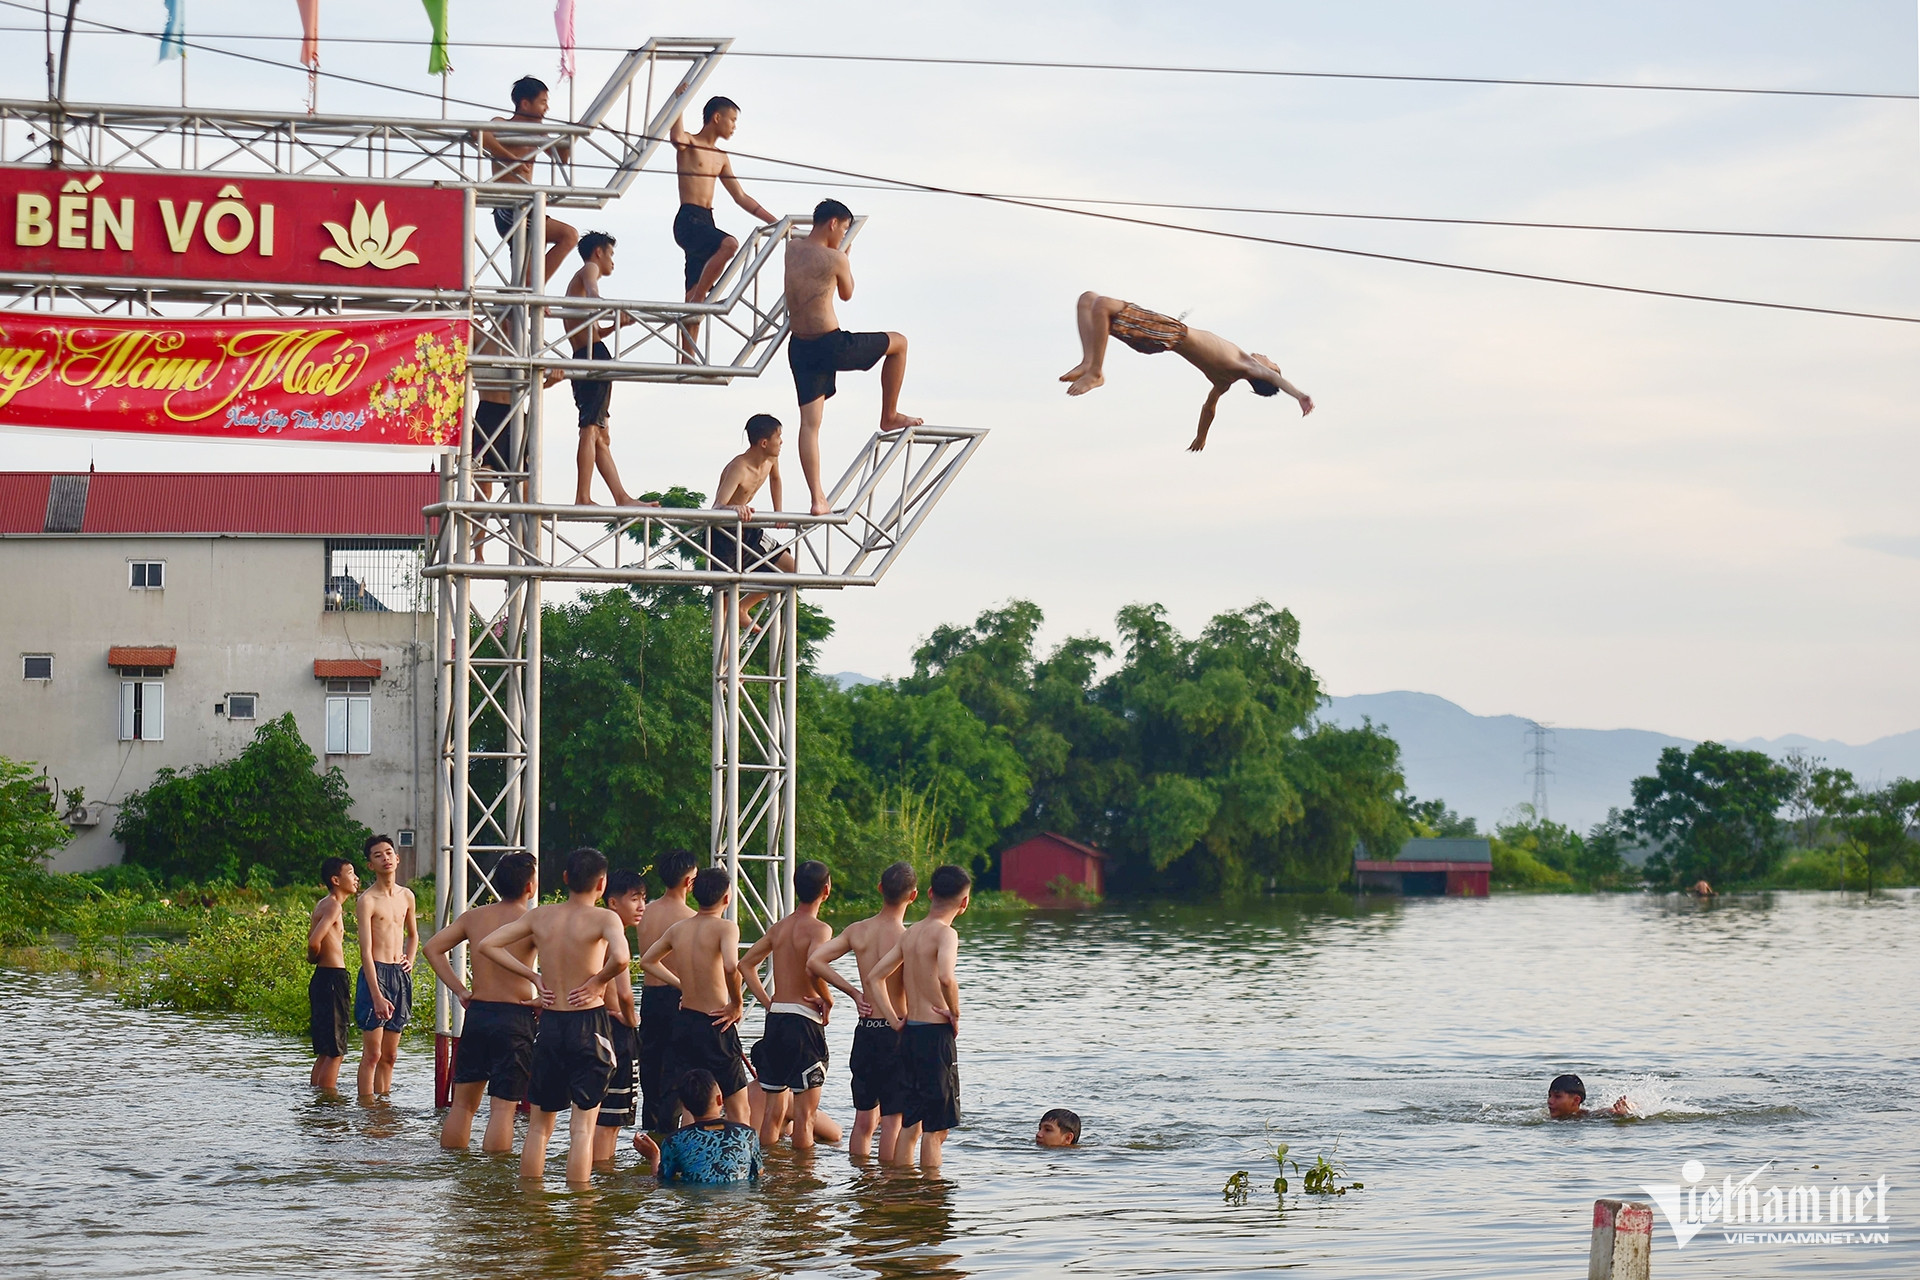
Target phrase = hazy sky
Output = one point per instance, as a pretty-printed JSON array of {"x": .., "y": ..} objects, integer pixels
[{"x": 1590, "y": 508}]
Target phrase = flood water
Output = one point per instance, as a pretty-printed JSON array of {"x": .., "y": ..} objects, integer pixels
[{"x": 1417, "y": 1035}]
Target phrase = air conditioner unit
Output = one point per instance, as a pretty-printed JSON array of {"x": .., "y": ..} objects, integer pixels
[{"x": 82, "y": 815}]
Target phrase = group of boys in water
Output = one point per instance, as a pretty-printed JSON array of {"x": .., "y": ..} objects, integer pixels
[
  {"x": 818, "y": 271},
  {"x": 552, "y": 1020}
]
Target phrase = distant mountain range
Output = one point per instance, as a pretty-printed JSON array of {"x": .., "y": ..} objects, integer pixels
[{"x": 1479, "y": 764}]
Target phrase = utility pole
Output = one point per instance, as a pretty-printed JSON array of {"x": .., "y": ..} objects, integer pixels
[{"x": 1539, "y": 747}]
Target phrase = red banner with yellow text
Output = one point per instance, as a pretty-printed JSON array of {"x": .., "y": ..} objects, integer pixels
[{"x": 380, "y": 380}]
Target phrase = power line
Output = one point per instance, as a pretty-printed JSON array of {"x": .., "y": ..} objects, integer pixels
[
  {"x": 1017, "y": 202},
  {"x": 1049, "y": 65}
]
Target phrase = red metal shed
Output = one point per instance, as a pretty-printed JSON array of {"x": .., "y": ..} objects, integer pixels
[
  {"x": 1453, "y": 868},
  {"x": 1032, "y": 867}
]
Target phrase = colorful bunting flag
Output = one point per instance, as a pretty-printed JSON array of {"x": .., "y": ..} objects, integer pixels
[
  {"x": 437, "y": 61},
  {"x": 563, "y": 24},
  {"x": 173, "y": 43},
  {"x": 309, "y": 32}
]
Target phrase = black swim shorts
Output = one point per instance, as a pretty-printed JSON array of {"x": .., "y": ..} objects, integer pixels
[
  {"x": 593, "y": 397},
  {"x": 496, "y": 1045},
  {"x": 816, "y": 360},
  {"x": 623, "y": 1094},
  {"x": 791, "y": 1054},
  {"x": 698, "y": 1043},
  {"x": 572, "y": 1059},
  {"x": 747, "y": 553},
  {"x": 932, "y": 1068},
  {"x": 658, "y": 1005},
  {"x": 503, "y": 220},
  {"x": 490, "y": 435},
  {"x": 396, "y": 984},
  {"x": 330, "y": 1012},
  {"x": 875, "y": 1063},
  {"x": 693, "y": 230}
]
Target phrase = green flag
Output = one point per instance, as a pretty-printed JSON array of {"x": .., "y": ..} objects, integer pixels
[{"x": 437, "y": 62}]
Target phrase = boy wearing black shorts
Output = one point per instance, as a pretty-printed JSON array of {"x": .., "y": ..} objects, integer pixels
[
  {"x": 879, "y": 1089},
  {"x": 704, "y": 953},
  {"x": 931, "y": 1021},
  {"x": 659, "y": 1003},
  {"x": 329, "y": 994},
  {"x": 626, "y": 898},
  {"x": 494, "y": 1054},
  {"x": 791, "y": 1057}
]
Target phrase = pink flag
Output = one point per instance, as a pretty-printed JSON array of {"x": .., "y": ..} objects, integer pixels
[
  {"x": 309, "y": 32},
  {"x": 563, "y": 24}
]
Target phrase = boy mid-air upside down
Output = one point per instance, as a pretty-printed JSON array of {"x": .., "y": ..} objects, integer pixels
[{"x": 1150, "y": 333}]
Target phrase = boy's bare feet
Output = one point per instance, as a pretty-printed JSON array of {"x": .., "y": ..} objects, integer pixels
[
  {"x": 1074, "y": 374},
  {"x": 636, "y": 502},
  {"x": 893, "y": 422},
  {"x": 821, "y": 507},
  {"x": 1085, "y": 383}
]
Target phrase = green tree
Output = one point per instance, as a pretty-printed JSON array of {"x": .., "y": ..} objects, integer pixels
[
  {"x": 270, "y": 807},
  {"x": 32, "y": 900},
  {"x": 1712, "y": 813},
  {"x": 1878, "y": 823},
  {"x": 1435, "y": 819}
]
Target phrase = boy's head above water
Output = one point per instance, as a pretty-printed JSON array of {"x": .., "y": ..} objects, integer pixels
[
  {"x": 1058, "y": 1128},
  {"x": 1566, "y": 1096}
]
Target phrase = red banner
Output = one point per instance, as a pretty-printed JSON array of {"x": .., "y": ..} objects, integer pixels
[
  {"x": 392, "y": 380},
  {"x": 227, "y": 230}
]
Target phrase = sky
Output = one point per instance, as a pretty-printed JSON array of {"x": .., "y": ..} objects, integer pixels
[{"x": 1588, "y": 508}]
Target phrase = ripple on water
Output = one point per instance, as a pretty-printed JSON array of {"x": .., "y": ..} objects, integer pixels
[{"x": 1412, "y": 1038}]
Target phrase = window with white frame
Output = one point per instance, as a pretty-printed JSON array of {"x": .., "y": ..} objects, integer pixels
[
  {"x": 240, "y": 706},
  {"x": 147, "y": 575},
  {"x": 36, "y": 666},
  {"x": 349, "y": 717},
  {"x": 143, "y": 706}
]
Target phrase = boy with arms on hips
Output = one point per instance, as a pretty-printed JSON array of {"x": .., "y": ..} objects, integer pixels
[
  {"x": 925, "y": 955},
  {"x": 791, "y": 1056},
  {"x": 495, "y": 1051},
  {"x": 660, "y": 1001},
  {"x": 329, "y": 996},
  {"x": 389, "y": 940},
  {"x": 705, "y": 950},
  {"x": 879, "y": 1094},
  {"x": 626, "y": 898},
  {"x": 583, "y": 947}
]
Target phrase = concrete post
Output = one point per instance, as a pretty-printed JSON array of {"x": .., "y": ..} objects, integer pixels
[{"x": 1622, "y": 1240}]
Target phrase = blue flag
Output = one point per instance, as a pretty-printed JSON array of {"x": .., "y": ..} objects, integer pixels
[{"x": 173, "y": 40}]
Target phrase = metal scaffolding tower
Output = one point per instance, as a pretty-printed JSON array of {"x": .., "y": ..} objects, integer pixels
[{"x": 488, "y": 705}]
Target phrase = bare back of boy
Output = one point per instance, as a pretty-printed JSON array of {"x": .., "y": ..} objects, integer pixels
[
  {"x": 701, "y": 953},
  {"x": 574, "y": 941},
  {"x": 815, "y": 274},
  {"x": 870, "y": 940},
  {"x": 662, "y": 914},
  {"x": 927, "y": 953},
  {"x": 488, "y": 980}
]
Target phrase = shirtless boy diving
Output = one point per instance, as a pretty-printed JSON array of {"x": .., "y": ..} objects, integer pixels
[
  {"x": 739, "y": 483},
  {"x": 660, "y": 1001},
  {"x": 593, "y": 396},
  {"x": 495, "y": 1054},
  {"x": 704, "y": 950},
  {"x": 925, "y": 955},
  {"x": 583, "y": 947},
  {"x": 516, "y": 165},
  {"x": 329, "y": 996},
  {"x": 879, "y": 1090},
  {"x": 791, "y": 1056},
  {"x": 699, "y": 162},
  {"x": 817, "y": 271},
  {"x": 1150, "y": 333},
  {"x": 389, "y": 939}
]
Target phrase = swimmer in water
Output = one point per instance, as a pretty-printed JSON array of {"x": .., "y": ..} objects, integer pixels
[
  {"x": 1567, "y": 1100},
  {"x": 1058, "y": 1128}
]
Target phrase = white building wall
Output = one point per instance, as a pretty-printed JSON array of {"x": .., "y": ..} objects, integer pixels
[{"x": 246, "y": 616}]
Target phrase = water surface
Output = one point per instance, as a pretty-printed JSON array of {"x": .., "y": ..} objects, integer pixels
[{"x": 1418, "y": 1036}]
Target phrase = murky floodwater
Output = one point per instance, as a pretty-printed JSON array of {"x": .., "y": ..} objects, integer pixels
[{"x": 1419, "y": 1036}]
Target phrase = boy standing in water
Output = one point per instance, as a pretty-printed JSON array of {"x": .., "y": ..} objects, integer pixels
[
  {"x": 791, "y": 1056},
  {"x": 705, "y": 950},
  {"x": 879, "y": 1092},
  {"x": 626, "y": 898},
  {"x": 389, "y": 940},
  {"x": 582, "y": 948},
  {"x": 660, "y": 1001},
  {"x": 925, "y": 954},
  {"x": 329, "y": 997},
  {"x": 495, "y": 1051}
]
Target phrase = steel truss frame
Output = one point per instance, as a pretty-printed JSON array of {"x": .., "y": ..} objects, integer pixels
[{"x": 487, "y": 797}]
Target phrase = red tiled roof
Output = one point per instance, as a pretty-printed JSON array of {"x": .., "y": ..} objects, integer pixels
[
  {"x": 336, "y": 504},
  {"x": 138, "y": 655},
  {"x": 346, "y": 668}
]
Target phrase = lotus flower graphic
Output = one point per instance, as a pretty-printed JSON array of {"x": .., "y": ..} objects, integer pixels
[{"x": 369, "y": 243}]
